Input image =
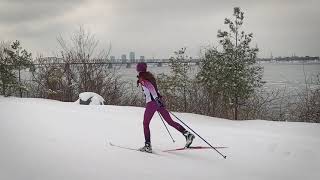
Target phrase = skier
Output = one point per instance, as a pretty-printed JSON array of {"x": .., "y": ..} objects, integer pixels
[{"x": 154, "y": 103}]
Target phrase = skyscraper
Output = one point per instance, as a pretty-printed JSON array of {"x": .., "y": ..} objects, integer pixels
[
  {"x": 112, "y": 59},
  {"x": 142, "y": 59},
  {"x": 124, "y": 58},
  {"x": 132, "y": 57}
]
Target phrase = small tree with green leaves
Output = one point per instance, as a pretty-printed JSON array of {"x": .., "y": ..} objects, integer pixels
[
  {"x": 175, "y": 86},
  {"x": 12, "y": 60},
  {"x": 232, "y": 70}
]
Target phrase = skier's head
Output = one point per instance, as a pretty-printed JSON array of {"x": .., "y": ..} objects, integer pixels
[{"x": 141, "y": 67}]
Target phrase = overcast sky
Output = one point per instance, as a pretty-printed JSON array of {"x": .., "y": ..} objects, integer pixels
[{"x": 156, "y": 28}]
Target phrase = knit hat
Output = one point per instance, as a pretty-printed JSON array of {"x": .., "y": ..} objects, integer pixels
[{"x": 141, "y": 67}]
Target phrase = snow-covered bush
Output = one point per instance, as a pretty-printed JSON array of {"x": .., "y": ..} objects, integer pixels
[{"x": 90, "y": 98}]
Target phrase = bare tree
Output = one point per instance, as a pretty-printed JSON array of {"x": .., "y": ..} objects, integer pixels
[
  {"x": 89, "y": 75},
  {"x": 308, "y": 104},
  {"x": 80, "y": 68}
]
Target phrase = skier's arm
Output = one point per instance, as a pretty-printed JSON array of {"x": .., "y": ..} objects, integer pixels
[{"x": 150, "y": 87}]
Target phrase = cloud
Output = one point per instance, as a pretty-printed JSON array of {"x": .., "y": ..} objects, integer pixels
[
  {"x": 14, "y": 11},
  {"x": 159, "y": 27}
]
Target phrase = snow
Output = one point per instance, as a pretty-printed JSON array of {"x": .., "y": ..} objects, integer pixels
[{"x": 49, "y": 140}]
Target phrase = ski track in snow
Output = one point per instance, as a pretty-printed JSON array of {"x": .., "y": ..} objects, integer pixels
[{"x": 45, "y": 139}]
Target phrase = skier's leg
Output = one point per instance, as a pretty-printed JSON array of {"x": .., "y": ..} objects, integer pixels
[
  {"x": 189, "y": 137},
  {"x": 151, "y": 108},
  {"x": 165, "y": 114}
]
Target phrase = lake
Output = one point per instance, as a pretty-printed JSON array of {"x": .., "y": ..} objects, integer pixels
[
  {"x": 291, "y": 76},
  {"x": 288, "y": 76}
]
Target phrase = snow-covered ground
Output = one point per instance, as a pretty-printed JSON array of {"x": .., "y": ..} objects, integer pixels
[{"x": 50, "y": 140}]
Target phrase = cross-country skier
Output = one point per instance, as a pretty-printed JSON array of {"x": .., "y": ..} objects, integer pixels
[{"x": 155, "y": 103}]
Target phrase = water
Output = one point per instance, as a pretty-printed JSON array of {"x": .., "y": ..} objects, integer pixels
[{"x": 290, "y": 76}]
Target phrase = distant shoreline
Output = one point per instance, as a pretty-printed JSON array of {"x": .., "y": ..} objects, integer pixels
[{"x": 296, "y": 62}]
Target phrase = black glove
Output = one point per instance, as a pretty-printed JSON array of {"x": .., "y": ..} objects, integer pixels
[
  {"x": 159, "y": 102},
  {"x": 138, "y": 82}
]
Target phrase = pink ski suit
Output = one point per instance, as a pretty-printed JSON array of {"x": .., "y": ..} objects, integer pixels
[{"x": 151, "y": 93}]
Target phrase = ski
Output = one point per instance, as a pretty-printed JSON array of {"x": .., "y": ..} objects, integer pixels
[
  {"x": 123, "y": 147},
  {"x": 191, "y": 148},
  {"x": 129, "y": 148},
  {"x": 168, "y": 150}
]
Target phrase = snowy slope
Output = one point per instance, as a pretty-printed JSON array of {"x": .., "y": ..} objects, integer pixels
[{"x": 50, "y": 140}]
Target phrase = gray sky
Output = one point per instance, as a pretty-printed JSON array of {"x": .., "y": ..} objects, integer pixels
[{"x": 156, "y": 28}]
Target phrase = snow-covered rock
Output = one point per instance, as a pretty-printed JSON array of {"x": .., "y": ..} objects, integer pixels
[{"x": 90, "y": 98}]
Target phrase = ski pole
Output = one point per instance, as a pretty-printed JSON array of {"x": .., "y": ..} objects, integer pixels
[
  {"x": 166, "y": 127},
  {"x": 199, "y": 136}
]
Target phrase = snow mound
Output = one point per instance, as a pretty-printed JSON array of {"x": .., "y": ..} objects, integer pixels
[{"x": 90, "y": 98}]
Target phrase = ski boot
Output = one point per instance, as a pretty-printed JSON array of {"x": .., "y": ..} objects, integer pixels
[
  {"x": 146, "y": 148},
  {"x": 189, "y": 138}
]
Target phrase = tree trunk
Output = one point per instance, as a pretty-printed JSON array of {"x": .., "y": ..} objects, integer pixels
[
  {"x": 185, "y": 99},
  {"x": 20, "y": 90},
  {"x": 3, "y": 89},
  {"x": 2, "y": 79},
  {"x": 236, "y": 109},
  {"x": 69, "y": 83}
]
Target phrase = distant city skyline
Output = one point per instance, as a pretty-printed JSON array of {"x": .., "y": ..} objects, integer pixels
[
  {"x": 157, "y": 28},
  {"x": 142, "y": 57}
]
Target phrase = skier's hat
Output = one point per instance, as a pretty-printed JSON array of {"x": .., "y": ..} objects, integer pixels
[{"x": 141, "y": 67}]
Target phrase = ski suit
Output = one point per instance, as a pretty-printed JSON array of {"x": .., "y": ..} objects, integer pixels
[{"x": 151, "y": 94}]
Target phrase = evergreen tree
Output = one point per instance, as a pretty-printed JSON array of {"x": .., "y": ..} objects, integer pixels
[
  {"x": 176, "y": 85},
  {"x": 12, "y": 60},
  {"x": 232, "y": 70}
]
